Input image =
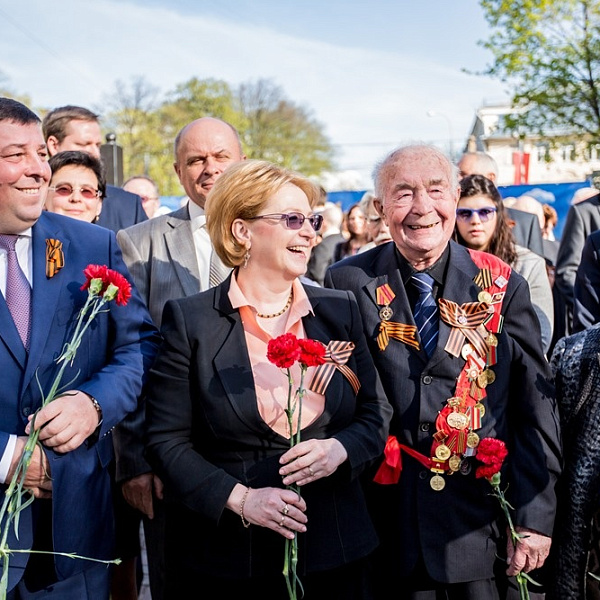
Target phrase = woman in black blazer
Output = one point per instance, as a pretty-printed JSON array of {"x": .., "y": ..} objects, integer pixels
[{"x": 218, "y": 434}]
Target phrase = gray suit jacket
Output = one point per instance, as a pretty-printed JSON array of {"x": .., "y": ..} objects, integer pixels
[{"x": 161, "y": 258}]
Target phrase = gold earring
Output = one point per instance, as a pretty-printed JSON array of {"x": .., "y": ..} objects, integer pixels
[{"x": 246, "y": 258}]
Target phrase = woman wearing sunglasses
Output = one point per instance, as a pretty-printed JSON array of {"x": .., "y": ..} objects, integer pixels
[
  {"x": 77, "y": 186},
  {"x": 481, "y": 224},
  {"x": 218, "y": 433}
]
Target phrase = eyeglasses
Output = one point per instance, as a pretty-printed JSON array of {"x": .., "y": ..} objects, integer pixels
[
  {"x": 66, "y": 191},
  {"x": 294, "y": 220},
  {"x": 484, "y": 214}
]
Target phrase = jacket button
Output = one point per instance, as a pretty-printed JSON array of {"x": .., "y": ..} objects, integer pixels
[
  {"x": 423, "y": 474},
  {"x": 26, "y": 411},
  {"x": 424, "y": 426},
  {"x": 427, "y": 379}
]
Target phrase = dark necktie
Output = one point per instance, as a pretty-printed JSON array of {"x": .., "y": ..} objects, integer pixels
[
  {"x": 18, "y": 290},
  {"x": 426, "y": 317}
]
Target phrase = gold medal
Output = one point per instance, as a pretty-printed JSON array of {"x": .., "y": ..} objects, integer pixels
[
  {"x": 491, "y": 340},
  {"x": 491, "y": 376},
  {"x": 481, "y": 408},
  {"x": 454, "y": 401},
  {"x": 466, "y": 350},
  {"x": 454, "y": 462},
  {"x": 472, "y": 439},
  {"x": 457, "y": 420},
  {"x": 482, "y": 380},
  {"x": 386, "y": 313},
  {"x": 443, "y": 452},
  {"x": 484, "y": 297},
  {"x": 437, "y": 483}
]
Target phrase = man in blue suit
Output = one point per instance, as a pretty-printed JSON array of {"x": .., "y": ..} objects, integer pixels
[
  {"x": 68, "y": 475},
  {"x": 77, "y": 128}
]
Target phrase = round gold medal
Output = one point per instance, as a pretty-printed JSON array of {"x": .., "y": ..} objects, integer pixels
[
  {"x": 454, "y": 462},
  {"x": 491, "y": 340},
  {"x": 386, "y": 313},
  {"x": 472, "y": 439},
  {"x": 482, "y": 380},
  {"x": 443, "y": 452},
  {"x": 491, "y": 376},
  {"x": 484, "y": 297},
  {"x": 437, "y": 483},
  {"x": 457, "y": 420},
  {"x": 481, "y": 408}
]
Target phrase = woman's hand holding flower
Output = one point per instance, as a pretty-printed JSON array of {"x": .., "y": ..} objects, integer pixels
[{"x": 311, "y": 460}]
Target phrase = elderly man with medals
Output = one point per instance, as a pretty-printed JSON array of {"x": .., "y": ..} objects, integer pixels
[{"x": 458, "y": 346}]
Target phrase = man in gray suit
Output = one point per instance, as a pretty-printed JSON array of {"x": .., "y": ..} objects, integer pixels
[{"x": 171, "y": 256}]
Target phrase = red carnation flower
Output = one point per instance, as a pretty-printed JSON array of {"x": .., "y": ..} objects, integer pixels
[
  {"x": 491, "y": 452},
  {"x": 312, "y": 353},
  {"x": 283, "y": 351},
  {"x": 108, "y": 277}
]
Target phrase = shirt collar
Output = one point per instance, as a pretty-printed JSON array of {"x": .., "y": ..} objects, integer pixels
[{"x": 197, "y": 215}]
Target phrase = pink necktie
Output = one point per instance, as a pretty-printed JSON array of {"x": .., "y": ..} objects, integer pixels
[{"x": 18, "y": 290}]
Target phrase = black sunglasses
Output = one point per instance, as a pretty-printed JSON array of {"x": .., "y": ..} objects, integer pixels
[
  {"x": 294, "y": 220},
  {"x": 484, "y": 214}
]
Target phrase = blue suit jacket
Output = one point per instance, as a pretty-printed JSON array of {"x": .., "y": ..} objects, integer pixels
[
  {"x": 110, "y": 365},
  {"x": 456, "y": 529},
  {"x": 121, "y": 209}
]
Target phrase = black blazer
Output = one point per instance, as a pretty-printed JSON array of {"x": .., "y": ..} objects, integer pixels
[
  {"x": 527, "y": 230},
  {"x": 586, "y": 310},
  {"x": 120, "y": 209},
  {"x": 456, "y": 529},
  {"x": 205, "y": 435}
]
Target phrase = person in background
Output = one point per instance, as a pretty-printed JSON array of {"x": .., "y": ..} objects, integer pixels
[
  {"x": 586, "y": 292},
  {"x": 439, "y": 526},
  {"x": 218, "y": 433},
  {"x": 377, "y": 229},
  {"x": 171, "y": 256},
  {"x": 330, "y": 236},
  {"x": 481, "y": 225},
  {"x": 77, "y": 128},
  {"x": 525, "y": 227},
  {"x": 145, "y": 187},
  {"x": 355, "y": 224},
  {"x": 77, "y": 186},
  {"x": 69, "y": 473}
]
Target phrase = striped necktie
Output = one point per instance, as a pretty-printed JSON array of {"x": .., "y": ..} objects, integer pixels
[
  {"x": 218, "y": 271},
  {"x": 426, "y": 312},
  {"x": 18, "y": 290}
]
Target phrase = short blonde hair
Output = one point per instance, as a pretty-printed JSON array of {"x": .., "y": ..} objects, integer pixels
[{"x": 240, "y": 193}]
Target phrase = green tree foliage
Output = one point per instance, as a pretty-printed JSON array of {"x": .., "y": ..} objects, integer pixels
[
  {"x": 548, "y": 53},
  {"x": 282, "y": 132},
  {"x": 271, "y": 126}
]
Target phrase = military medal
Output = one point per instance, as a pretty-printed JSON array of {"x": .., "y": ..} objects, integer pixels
[
  {"x": 491, "y": 340},
  {"x": 457, "y": 420},
  {"x": 484, "y": 297},
  {"x": 443, "y": 452},
  {"x": 386, "y": 313},
  {"x": 481, "y": 408},
  {"x": 482, "y": 380},
  {"x": 472, "y": 439},
  {"x": 491, "y": 376},
  {"x": 466, "y": 350},
  {"x": 454, "y": 463},
  {"x": 437, "y": 483}
]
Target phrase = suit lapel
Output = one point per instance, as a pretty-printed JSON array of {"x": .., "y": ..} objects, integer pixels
[
  {"x": 179, "y": 241},
  {"x": 46, "y": 293},
  {"x": 9, "y": 334}
]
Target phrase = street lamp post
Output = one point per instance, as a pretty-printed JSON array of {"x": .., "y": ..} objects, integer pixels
[{"x": 435, "y": 113}]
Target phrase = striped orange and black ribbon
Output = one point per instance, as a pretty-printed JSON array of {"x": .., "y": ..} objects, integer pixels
[
  {"x": 336, "y": 357},
  {"x": 55, "y": 259},
  {"x": 399, "y": 331},
  {"x": 466, "y": 321}
]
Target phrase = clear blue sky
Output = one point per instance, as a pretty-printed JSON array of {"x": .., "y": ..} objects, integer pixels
[{"x": 370, "y": 72}]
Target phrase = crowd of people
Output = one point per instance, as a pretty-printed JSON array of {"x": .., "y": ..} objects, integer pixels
[{"x": 287, "y": 375}]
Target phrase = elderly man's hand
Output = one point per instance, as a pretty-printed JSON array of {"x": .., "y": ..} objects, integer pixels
[
  {"x": 531, "y": 552},
  {"x": 65, "y": 423}
]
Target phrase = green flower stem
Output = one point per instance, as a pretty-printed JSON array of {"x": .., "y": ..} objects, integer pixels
[
  {"x": 13, "y": 502},
  {"x": 290, "y": 562},
  {"x": 514, "y": 535}
]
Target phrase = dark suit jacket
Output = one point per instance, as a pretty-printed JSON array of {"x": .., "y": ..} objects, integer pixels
[
  {"x": 526, "y": 230},
  {"x": 587, "y": 285},
  {"x": 456, "y": 529},
  {"x": 111, "y": 363},
  {"x": 121, "y": 209},
  {"x": 205, "y": 435},
  {"x": 322, "y": 256}
]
